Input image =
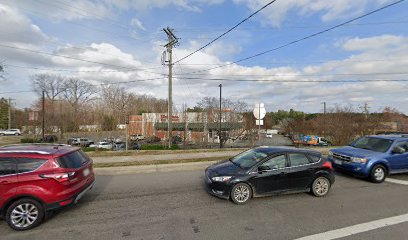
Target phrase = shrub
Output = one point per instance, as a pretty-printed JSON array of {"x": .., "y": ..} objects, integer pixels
[
  {"x": 28, "y": 140},
  {"x": 158, "y": 147}
]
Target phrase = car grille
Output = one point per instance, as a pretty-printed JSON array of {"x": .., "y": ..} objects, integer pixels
[{"x": 341, "y": 157}]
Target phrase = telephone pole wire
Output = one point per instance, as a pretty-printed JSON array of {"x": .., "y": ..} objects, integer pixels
[{"x": 172, "y": 42}]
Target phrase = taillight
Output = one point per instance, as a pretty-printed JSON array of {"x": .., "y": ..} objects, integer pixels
[
  {"x": 60, "y": 177},
  {"x": 328, "y": 165}
]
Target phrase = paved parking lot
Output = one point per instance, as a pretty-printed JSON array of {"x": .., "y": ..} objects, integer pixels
[{"x": 174, "y": 205}]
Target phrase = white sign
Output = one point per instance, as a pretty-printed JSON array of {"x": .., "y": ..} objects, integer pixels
[
  {"x": 259, "y": 111},
  {"x": 259, "y": 122}
]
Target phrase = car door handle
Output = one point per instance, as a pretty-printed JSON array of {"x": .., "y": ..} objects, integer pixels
[
  {"x": 282, "y": 173},
  {"x": 4, "y": 182}
]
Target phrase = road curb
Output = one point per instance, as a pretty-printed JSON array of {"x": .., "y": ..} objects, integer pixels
[{"x": 173, "y": 167}]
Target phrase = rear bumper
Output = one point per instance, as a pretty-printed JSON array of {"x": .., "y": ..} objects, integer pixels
[{"x": 71, "y": 200}]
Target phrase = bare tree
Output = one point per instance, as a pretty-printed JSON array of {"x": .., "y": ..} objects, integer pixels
[
  {"x": 2, "y": 71},
  {"x": 78, "y": 92},
  {"x": 52, "y": 85}
]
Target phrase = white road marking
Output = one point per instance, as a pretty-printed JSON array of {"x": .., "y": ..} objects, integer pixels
[
  {"x": 359, "y": 228},
  {"x": 397, "y": 181}
]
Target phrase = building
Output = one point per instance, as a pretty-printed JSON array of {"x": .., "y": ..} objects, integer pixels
[{"x": 193, "y": 126}]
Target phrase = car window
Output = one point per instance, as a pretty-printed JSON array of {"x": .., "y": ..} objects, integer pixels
[
  {"x": 276, "y": 162},
  {"x": 7, "y": 166},
  {"x": 373, "y": 143},
  {"x": 403, "y": 146},
  {"x": 28, "y": 164},
  {"x": 315, "y": 158},
  {"x": 73, "y": 160},
  {"x": 249, "y": 158},
  {"x": 298, "y": 159}
]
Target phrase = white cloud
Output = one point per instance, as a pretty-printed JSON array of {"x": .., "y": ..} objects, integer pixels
[
  {"x": 137, "y": 23},
  {"x": 377, "y": 42},
  {"x": 276, "y": 13},
  {"x": 58, "y": 10},
  {"x": 18, "y": 29}
]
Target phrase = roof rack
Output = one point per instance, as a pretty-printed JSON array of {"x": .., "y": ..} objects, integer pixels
[{"x": 24, "y": 151}]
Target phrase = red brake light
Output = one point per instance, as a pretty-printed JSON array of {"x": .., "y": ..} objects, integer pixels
[
  {"x": 328, "y": 165},
  {"x": 60, "y": 177}
]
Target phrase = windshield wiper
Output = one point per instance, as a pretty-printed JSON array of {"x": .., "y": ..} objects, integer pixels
[{"x": 230, "y": 159}]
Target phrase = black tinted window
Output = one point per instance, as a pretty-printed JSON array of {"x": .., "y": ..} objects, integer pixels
[
  {"x": 28, "y": 164},
  {"x": 315, "y": 158},
  {"x": 7, "y": 166},
  {"x": 276, "y": 162},
  {"x": 298, "y": 159},
  {"x": 73, "y": 160}
]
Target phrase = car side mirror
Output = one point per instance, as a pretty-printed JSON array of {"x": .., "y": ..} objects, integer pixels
[
  {"x": 263, "y": 168},
  {"x": 397, "y": 150}
]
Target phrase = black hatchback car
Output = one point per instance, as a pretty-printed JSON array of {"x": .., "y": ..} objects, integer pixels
[{"x": 265, "y": 171}]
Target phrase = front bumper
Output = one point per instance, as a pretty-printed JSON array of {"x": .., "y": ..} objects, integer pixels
[
  {"x": 72, "y": 200},
  {"x": 218, "y": 189},
  {"x": 357, "y": 169}
]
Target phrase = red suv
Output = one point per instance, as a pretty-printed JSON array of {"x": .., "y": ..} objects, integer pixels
[{"x": 35, "y": 179}]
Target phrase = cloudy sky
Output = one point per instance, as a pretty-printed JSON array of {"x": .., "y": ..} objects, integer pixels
[{"x": 122, "y": 40}]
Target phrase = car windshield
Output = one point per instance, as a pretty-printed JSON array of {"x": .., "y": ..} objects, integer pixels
[
  {"x": 248, "y": 159},
  {"x": 373, "y": 143}
]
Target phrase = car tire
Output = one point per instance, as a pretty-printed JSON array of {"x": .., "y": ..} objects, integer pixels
[
  {"x": 378, "y": 174},
  {"x": 321, "y": 186},
  {"x": 241, "y": 193},
  {"x": 24, "y": 214}
]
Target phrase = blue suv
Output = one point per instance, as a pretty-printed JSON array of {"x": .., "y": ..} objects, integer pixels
[{"x": 373, "y": 157}]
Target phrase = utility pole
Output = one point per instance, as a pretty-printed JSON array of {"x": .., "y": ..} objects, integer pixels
[
  {"x": 172, "y": 42},
  {"x": 220, "y": 134},
  {"x": 43, "y": 115},
  {"x": 9, "y": 113}
]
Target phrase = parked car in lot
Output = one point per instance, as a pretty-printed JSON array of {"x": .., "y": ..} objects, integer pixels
[
  {"x": 15, "y": 132},
  {"x": 373, "y": 157},
  {"x": 36, "y": 179},
  {"x": 103, "y": 144},
  {"x": 82, "y": 142},
  {"x": 269, "y": 170},
  {"x": 136, "y": 137}
]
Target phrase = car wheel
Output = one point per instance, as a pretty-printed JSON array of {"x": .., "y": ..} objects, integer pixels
[
  {"x": 241, "y": 193},
  {"x": 24, "y": 214},
  {"x": 378, "y": 174},
  {"x": 321, "y": 186}
]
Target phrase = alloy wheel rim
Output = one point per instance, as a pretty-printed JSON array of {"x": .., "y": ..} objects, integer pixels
[
  {"x": 241, "y": 193},
  {"x": 321, "y": 186},
  {"x": 24, "y": 215},
  {"x": 379, "y": 174}
]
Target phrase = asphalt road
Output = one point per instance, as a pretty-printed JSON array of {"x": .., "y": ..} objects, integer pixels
[{"x": 174, "y": 205}]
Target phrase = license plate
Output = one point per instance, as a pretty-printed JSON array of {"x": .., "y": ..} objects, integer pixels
[
  {"x": 86, "y": 172},
  {"x": 338, "y": 162}
]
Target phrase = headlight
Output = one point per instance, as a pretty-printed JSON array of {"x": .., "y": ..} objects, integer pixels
[
  {"x": 358, "y": 160},
  {"x": 221, "y": 179},
  {"x": 330, "y": 153}
]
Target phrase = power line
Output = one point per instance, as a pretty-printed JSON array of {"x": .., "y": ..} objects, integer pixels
[
  {"x": 77, "y": 59},
  {"x": 225, "y": 33},
  {"x": 303, "y": 38},
  {"x": 212, "y": 29},
  {"x": 296, "y": 81},
  {"x": 95, "y": 85},
  {"x": 302, "y": 75},
  {"x": 69, "y": 70}
]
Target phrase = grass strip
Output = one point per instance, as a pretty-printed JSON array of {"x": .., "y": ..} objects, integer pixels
[{"x": 156, "y": 162}]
